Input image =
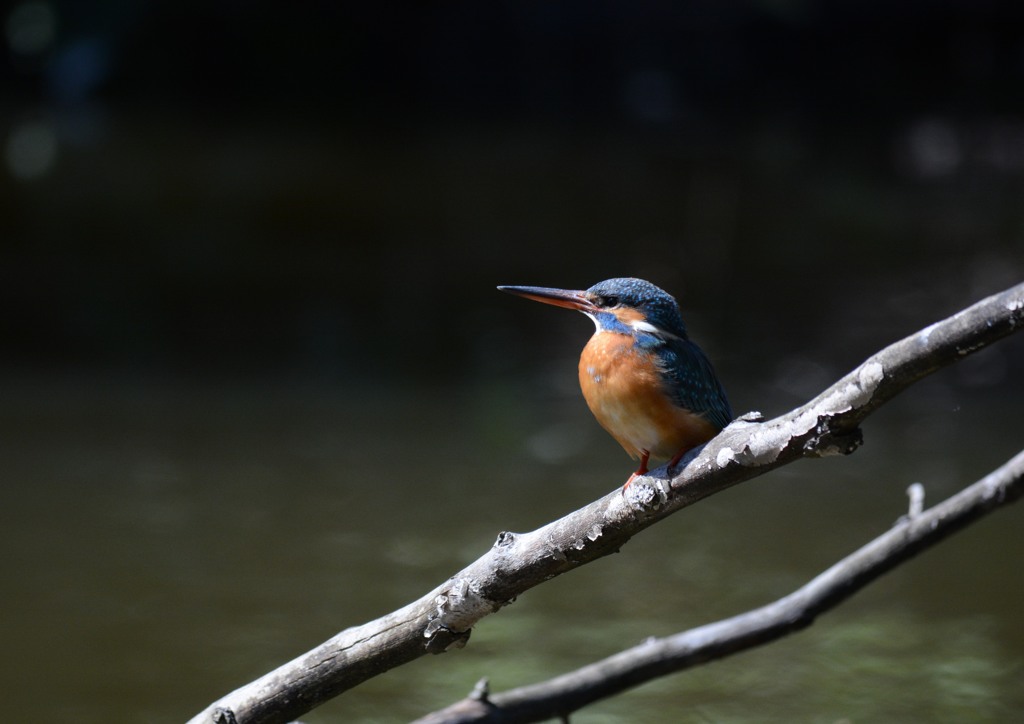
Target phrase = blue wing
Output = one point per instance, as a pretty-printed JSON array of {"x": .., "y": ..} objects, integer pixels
[{"x": 691, "y": 380}]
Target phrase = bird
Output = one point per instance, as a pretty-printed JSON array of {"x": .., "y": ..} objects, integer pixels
[{"x": 647, "y": 383}]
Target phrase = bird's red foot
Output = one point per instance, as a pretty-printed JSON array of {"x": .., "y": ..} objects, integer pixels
[{"x": 642, "y": 470}]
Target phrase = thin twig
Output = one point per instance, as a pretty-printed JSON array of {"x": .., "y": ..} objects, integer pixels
[{"x": 657, "y": 657}]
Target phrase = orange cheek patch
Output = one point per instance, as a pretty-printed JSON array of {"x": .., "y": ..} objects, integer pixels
[{"x": 627, "y": 315}]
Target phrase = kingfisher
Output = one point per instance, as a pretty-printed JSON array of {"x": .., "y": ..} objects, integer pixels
[{"x": 651, "y": 387}]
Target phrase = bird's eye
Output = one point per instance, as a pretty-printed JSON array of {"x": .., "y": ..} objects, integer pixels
[{"x": 607, "y": 301}]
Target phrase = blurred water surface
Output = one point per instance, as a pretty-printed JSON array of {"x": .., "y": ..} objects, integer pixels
[
  {"x": 256, "y": 384},
  {"x": 166, "y": 543}
]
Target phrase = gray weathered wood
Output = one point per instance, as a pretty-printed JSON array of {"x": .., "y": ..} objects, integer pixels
[
  {"x": 443, "y": 618},
  {"x": 569, "y": 692}
]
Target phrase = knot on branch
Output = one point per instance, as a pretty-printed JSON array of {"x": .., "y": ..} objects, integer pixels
[
  {"x": 824, "y": 441},
  {"x": 443, "y": 639},
  {"x": 223, "y": 715},
  {"x": 482, "y": 690},
  {"x": 456, "y": 609},
  {"x": 642, "y": 493},
  {"x": 505, "y": 539}
]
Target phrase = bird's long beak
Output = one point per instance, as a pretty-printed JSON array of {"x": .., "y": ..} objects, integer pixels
[{"x": 568, "y": 298}]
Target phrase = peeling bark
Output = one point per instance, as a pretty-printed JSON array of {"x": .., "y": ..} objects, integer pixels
[
  {"x": 912, "y": 533},
  {"x": 443, "y": 618}
]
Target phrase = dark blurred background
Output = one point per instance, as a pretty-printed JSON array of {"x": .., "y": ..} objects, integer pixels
[
  {"x": 198, "y": 188},
  {"x": 248, "y": 254}
]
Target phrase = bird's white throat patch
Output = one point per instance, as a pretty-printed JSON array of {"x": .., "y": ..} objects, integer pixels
[{"x": 639, "y": 325}]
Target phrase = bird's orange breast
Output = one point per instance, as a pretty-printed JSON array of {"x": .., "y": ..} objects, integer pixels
[{"x": 624, "y": 389}]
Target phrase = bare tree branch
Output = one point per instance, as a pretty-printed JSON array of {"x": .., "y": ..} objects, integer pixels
[
  {"x": 442, "y": 619},
  {"x": 569, "y": 692}
]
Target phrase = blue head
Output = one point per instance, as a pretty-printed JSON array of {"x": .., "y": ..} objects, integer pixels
[
  {"x": 651, "y": 317},
  {"x": 636, "y": 305},
  {"x": 625, "y": 305}
]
